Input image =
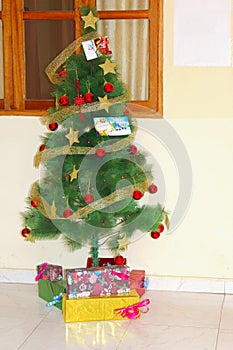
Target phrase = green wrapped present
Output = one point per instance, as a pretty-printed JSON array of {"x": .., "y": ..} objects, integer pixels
[{"x": 47, "y": 290}]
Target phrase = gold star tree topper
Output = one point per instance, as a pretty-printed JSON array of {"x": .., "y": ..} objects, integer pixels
[
  {"x": 90, "y": 20},
  {"x": 108, "y": 67}
]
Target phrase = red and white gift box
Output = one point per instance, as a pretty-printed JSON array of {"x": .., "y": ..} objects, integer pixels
[{"x": 97, "y": 281}]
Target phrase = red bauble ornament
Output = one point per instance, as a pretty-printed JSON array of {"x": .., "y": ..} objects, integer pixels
[
  {"x": 64, "y": 101},
  {"x": 77, "y": 84},
  {"x": 35, "y": 202},
  {"x": 89, "y": 198},
  {"x": 53, "y": 126},
  {"x": 155, "y": 235},
  {"x": 67, "y": 213},
  {"x": 133, "y": 149},
  {"x": 153, "y": 188},
  {"x": 100, "y": 152},
  {"x": 119, "y": 260},
  {"x": 160, "y": 228},
  {"x": 137, "y": 195},
  {"x": 42, "y": 148},
  {"x": 108, "y": 87},
  {"x": 79, "y": 100},
  {"x": 25, "y": 231},
  {"x": 63, "y": 74},
  {"x": 89, "y": 97}
]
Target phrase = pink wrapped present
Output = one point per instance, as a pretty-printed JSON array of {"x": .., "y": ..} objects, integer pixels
[
  {"x": 49, "y": 272},
  {"x": 97, "y": 281}
]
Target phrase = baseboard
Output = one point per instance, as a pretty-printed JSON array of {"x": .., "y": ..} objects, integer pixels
[
  {"x": 191, "y": 284},
  {"x": 162, "y": 283},
  {"x": 17, "y": 276}
]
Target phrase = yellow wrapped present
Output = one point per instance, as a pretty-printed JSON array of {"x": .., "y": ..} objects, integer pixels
[{"x": 97, "y": 308}]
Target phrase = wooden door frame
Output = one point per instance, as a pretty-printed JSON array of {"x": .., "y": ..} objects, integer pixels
[{"x": 15, "y": 102}]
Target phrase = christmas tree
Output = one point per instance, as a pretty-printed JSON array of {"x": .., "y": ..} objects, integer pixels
[{"x": 93, "y": 177}]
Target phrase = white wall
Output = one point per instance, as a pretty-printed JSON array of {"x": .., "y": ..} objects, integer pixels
[
  {"x": 20, "y": 138},
  {"x": 201, "y": 246}
]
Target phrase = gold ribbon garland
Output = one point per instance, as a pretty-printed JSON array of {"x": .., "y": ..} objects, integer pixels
[
  {"x": 63, "y": 113},
  {"x": 53, "y": 66},
  {"x": 51, "y": 71},
  {"x": 43, "y": 206},
  {"x": 60, "y": 115},
  {"x": 99, "y": 204},
  {"x": 42, "y": 156},
  {"x": 118, "y": 195}
]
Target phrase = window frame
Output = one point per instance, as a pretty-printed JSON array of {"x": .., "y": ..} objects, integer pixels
[{"x": 13, "y": 16}]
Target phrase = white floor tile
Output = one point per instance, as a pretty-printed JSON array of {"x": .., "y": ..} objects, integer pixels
[
  {"x": 14, "y": 330},
  {"x": 225, "y": 340},
  {"x": 176, "y": 320},
  {"x": 19, "y": 299},
  {"x": 84, "y": 335},
  {"x": 183, "y": 309},
  {"x": 227, "y": 314},
  {"x": 153, "y": 337}
]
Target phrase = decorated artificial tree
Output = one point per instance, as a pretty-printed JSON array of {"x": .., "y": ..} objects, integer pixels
[{"x": 93, "y": 177}]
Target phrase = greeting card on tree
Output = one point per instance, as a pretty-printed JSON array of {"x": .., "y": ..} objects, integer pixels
[
  {"x": 96, "y": 48},
  {"x": 112, "y": 126}
]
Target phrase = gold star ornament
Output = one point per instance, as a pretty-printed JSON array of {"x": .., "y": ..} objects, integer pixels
[
  {"x": 108, "y": 67},
  {"x": 90, "y": 20},
  {"x": 104, "y": 102},
  {"x": 123, "y": 243},
  {"x": 74, "y": 174},
  {"x": 53, "y": 210},
  {"x": 31, "y": 239},
  {"x": 72, "y": 136}
]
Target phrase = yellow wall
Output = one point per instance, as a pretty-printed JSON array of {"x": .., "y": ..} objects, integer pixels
[{"x": 194, "y": 92}]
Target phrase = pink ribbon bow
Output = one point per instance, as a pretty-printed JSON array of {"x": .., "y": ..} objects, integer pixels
[
  {"x": 132, "y": 312},
  {"x": 122, "y": 275},
  {"x": 42, "y": 268}
]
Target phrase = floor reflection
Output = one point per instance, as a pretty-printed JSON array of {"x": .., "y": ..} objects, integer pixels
[{"x": 95, "y": 333}]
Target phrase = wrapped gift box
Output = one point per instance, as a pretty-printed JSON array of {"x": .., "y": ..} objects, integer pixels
[
  {"x": 102, "y": 262},
  {"x": 97, "y": 308},
  {"x": 85, "y": 282},
  {"x": 137, "y": 281},
  {"x": 47, "y": 290},
  {"x": 51, "y": 272}
]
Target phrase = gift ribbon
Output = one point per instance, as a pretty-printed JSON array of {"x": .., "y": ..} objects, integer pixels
[
  {"x": 56, "y": 300},
  {"x": 146, "y": 282},
  {"x": 132, "y": 312},
  {"x": 121, "y": 275},
  {"x": 42, "y": 268}
]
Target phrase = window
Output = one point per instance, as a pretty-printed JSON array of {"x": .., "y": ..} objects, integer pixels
[{"x": 33, "y": 32}]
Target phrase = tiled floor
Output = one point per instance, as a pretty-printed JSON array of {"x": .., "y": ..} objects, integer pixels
[{"x": 176, "y": 321}]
